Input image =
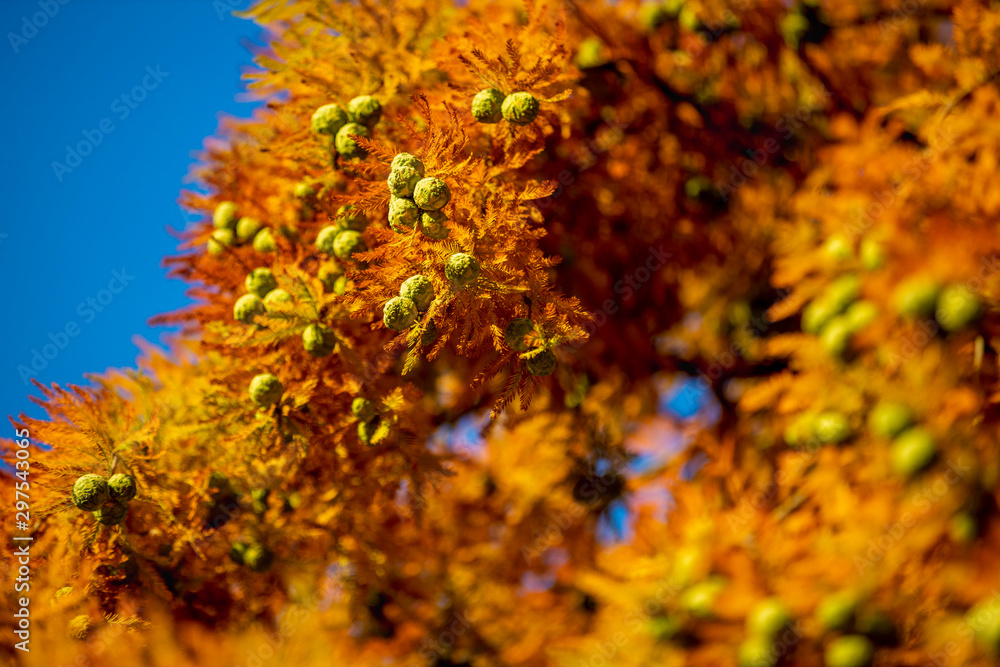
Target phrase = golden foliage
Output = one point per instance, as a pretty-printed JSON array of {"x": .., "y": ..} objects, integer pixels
[{"x": 777, "y": 201}]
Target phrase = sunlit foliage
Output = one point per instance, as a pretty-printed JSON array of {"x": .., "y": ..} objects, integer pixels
[{"x": 779, "y": 214}]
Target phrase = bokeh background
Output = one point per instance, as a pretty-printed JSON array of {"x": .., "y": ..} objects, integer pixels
[{"x": 67, "y": 227}]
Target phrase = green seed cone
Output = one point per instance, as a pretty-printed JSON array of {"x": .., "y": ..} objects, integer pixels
[
  {"x": 90, "y": 492},
  {"x": 957, "y": 307},
  {"x": 247, "y": 228},
  {"x": 860, "y": 314},
  {"x": 349, "y": 147},
  {"x": 889, "y": 418},
  {"x": 221, "y": 239},
  {"x": 837, "y": 249},
  {"x": 653, "y": 14},
  {"x": 408, "y": 160},
  {"x": 700, "y": 598},
  {"x": 122, "y": 487},
  {"x": 403, "y": 214},
  {"x": 258, "y": 500},
  {"x": 340, "y": 285},
  {"x": 112, "y": 514},
  {"x": 365, "y": 110},
  {"x": 486, "y": 106},
  {"x": 849, "y": 651},
  {"x": 258, "y": 558},
  {"x": 756, "y": 651},
  {"x": 419, "y": 289},
  {"x": 801, "y": 430},
  {"x": 835, "y": 336},
  {"x": 432, "y": 225},
  {"x": 816, "y": 314},
  {"x": 326, "y": 237},
  {"x": 985, "y": 623},
  {"x": 872, "y": 254},
  {"x": 329, "y": 119},
  {"x": 836, "y": 612},
  {"x": 366, "y": 430},
  {"x": 264, "y": 241},
  {"x": 963, "y": 528},
  {"x": 248, "y": 307},
  {"x": 831, "y": 427},
  {"x": 461, "y": 269},
  {"x": 515, "y": 331},
  {"x": 347, "y": 243},
  {"x": 260, "y": 281},
  {"x": 276, "y": 296},
  {"x": 402, "y": 181},
  {"x": 843, "y": 291},
  {"x": 304, "y": 191},
  {"x": 542, "y": 364},
  {"x": 916, "y": 297},
  {"x": 237, "y": 551},
  {"x": 328, "y": 274},
  {"x": 768, "y": 618},
  {"x": 520, "y": 108},
  {"x": 590, "y": 54},
  {"x": 362, "y": 408},
  {"x": 431, "y": 194},
  {"x": 225, "y": 216},
  {"x": 266, "y": 390},
  {"x": 912, "y": 451},
  {"x": 319, "y": 340},
  {"x": 399, "y": 313}
]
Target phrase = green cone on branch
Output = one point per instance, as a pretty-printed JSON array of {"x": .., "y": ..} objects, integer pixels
[{"x": 90, "y": 492}]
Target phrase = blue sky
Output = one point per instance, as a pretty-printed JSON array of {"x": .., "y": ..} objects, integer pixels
[{"x": 133, "y": 88}]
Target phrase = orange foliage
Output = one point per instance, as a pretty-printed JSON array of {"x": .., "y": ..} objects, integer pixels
[{"x": 788, "y": 203}]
